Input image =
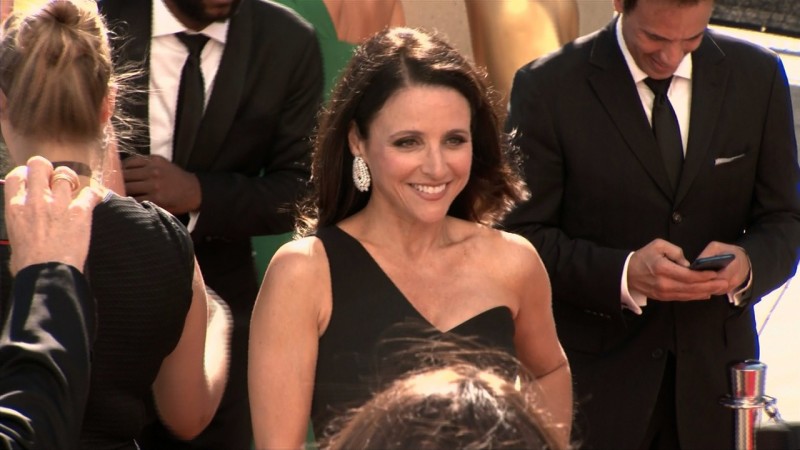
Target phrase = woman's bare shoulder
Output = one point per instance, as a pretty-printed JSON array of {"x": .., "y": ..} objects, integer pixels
[
  {"x": 513, "y": 252},
  {"x": 297, "y": 282},
  {"x": 507, "y": 242},
  {"x": 300, "y": 260},
  {"x": 492, "y": 240}
]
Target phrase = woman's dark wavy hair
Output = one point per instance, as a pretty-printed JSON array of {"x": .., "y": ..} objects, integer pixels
[
  {"x": 389, "y": 61},
  {"x": 456, "y": 406}
]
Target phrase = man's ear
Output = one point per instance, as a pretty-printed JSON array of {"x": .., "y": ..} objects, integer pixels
[{"x": 355, "y": 140}]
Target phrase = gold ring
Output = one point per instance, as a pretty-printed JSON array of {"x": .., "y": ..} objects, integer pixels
[{"x": 69, "y": 178}]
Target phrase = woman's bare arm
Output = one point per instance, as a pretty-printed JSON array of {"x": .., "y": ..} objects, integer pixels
[
  {"x": 191, "y": 381},
  {"x": 537, "y": 343},
  {"x": 284, "y": 335}
]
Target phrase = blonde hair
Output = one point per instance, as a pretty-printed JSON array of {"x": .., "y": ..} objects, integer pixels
[{"x": 56, "y": 71}]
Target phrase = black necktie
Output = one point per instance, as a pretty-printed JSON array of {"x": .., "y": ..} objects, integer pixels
[
  {"x": 666, "y": 129},
  {"x": 191, "y": 99}
]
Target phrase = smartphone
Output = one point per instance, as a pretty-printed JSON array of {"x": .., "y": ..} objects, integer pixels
[{"x": 716, "y": 262}]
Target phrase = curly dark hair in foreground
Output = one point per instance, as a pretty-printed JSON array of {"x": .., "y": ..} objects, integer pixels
[{"x": 455, "y": 407}]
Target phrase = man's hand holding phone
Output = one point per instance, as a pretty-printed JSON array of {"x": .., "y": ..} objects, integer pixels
[
  {"x": 660, "y": 271},
  {"x": 735, "y": 270},
  {"x": 714, "y": 262}
]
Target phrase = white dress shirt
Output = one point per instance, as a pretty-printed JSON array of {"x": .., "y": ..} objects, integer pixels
[
  {"x": 680, "y": 96},
  {"x": 167, "y": 56}
]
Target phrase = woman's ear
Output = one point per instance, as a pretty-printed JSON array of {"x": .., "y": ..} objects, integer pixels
[
  {"x": 3, "y": 104},
  {"x": 108, "y": 106},
  {"x": 355, "y": 140}
]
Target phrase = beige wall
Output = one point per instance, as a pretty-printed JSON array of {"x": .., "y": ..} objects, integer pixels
[
  {"x": 517, "y": 32},
  {"x": 594, "y": 14},
  {"x": 449, "y": 17}
]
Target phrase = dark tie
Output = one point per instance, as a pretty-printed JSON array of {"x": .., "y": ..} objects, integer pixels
[
  {"x": 191, "y": 99},
  {"x": 666, "y": 129}
]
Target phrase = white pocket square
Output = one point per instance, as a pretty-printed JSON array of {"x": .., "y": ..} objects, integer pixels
[{"x": 721, "y": 161}]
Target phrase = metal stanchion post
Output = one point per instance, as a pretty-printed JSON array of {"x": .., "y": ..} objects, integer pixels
[{"x": 747, "y": 399}]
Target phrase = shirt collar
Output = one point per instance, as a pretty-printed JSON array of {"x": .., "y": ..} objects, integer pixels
[
  {"x": 684, "y": 68},
  {"x": 164, "y": 23}
]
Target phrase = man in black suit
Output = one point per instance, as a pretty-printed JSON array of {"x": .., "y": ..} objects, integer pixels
[
  {"x": 262, "y": 73},
  {"x": 46, "y": 338},
  {"x": 616, "y": 221}
]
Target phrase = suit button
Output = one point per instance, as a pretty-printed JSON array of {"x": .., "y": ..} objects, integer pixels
[
  {"x": 657, "y": 353},
  {"x": 677, "y": 217}
]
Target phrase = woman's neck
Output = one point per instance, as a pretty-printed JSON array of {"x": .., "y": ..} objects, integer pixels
[
  {"x": 60, "y": 151},
  {"x": 76, "y": 156},
  {"x": 412, "y": 239}
]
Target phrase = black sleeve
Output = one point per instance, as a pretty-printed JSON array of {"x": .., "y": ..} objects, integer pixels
[{"x": 44, "y": 358}]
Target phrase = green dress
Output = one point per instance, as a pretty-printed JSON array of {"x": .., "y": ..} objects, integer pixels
[{"x": 335, "y": 56}]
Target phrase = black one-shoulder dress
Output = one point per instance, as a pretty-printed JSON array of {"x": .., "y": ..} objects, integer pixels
[{"x": 375, "y": 334}]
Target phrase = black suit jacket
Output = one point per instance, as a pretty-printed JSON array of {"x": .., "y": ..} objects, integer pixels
[
  {"x": 44, "y": 358},
  {"x": 600, "y": 191},
  {"x": 251, "y": 153}
]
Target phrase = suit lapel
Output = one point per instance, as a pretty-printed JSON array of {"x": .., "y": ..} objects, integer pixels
[
  {"x": 709, "y": 74},
  {"x": 227, "y": 92},
  {"x": 614, "y": 86}
]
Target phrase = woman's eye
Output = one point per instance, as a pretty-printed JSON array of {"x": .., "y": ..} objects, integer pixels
[
  {"x": 405, "y": 143},
  {"x": 455, "y": 141}
]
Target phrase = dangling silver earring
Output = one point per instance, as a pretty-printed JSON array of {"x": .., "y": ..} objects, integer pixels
[{"x": 361, "y": 176}]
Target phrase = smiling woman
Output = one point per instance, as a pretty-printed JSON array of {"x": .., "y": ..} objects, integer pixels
[
  {"x": 411, "y": 244},
  {"x": 419, "y": 151}
]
